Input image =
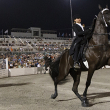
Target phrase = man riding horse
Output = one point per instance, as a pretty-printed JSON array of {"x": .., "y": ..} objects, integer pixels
[
  {"x": 97, "y": 55},
  {"x": 81, "y": 36}
]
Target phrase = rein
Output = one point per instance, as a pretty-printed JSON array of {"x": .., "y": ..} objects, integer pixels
[{"x": 102, "y": 33}]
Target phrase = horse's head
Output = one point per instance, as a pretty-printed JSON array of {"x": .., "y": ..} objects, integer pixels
[{"x": 104, "y": 15}]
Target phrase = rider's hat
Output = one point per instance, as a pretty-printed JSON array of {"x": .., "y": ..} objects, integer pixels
[{"x": 76, "y": 16}]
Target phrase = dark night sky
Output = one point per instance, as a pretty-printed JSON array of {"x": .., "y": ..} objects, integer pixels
[{"x": 46, "y": 14}]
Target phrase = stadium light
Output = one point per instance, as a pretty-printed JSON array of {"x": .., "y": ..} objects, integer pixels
[
  {"x": 71, "y": 13},
  {"x": 71, "y": 16}
]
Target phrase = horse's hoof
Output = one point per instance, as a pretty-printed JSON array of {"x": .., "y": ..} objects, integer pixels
[
  {"x": 53, "y": 96},
  {"x": 85, "y": 103}
]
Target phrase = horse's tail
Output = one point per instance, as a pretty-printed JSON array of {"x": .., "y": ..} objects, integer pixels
[{"x": 54, "y": 67}]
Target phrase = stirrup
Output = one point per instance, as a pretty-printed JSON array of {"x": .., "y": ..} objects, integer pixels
[{"x": 76, "y": 65}]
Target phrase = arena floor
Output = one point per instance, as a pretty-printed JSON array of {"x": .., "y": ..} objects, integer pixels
[{"x": 33, "y": 93}]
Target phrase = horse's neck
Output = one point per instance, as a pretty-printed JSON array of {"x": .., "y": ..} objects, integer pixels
[{"x": 98, "y": 37}]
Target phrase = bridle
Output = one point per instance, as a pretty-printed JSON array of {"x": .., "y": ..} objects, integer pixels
[
  {"x": 101, "y": 45},
  {"x": 102, "y": 33},
  {"x": 104, "y": 23},
  {"x": 104, "y": 17}
]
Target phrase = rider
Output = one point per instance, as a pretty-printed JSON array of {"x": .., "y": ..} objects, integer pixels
[{"x": 80, "y": 36}]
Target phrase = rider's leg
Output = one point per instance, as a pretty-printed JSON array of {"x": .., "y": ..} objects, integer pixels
[{"x": 75, "y": 57}]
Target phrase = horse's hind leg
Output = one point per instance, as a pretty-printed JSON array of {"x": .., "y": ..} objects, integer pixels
[
  {"x": 53, "y": 96},
  {"x": 56, "y": 81},
  {"x": 76, "y": 77}
]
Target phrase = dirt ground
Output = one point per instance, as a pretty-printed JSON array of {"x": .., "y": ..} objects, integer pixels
[{"x": 33, "y": 93}]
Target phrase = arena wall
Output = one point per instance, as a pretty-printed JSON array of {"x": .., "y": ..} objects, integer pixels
[
  {"x": 3, "y": 68},
  {"x": 3, "y": 73},
  {"x": 26, "y": 71}
]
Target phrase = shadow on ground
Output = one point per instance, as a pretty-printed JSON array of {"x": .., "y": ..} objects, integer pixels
[
  {"x": 9, "y": 85},
  {"x": 97, "y": 96},
  {"x": 92, "y": 97}
]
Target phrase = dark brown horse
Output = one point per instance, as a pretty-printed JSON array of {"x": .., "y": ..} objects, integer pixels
[{"x": 97, "y": 55}]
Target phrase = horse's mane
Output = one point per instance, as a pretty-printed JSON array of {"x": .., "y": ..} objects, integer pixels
[
  {"x": 93, "y": 23},
  {"x": 89, "y": 35}
]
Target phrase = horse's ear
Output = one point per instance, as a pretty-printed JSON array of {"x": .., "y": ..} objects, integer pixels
[
  {"x": 106, "y": 6},
  {"x": 100, "y": 7}
]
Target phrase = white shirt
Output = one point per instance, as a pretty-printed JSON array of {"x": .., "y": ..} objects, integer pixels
[
  {"x": 38, "y": 65},
  {"x": 80, "y": 26}
]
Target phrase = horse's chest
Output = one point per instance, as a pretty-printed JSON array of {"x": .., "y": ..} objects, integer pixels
[
  {"x": 102, "y": 57},
  {"x": 97, "y": 54}
]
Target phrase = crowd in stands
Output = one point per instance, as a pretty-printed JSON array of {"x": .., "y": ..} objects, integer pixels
[
  {"x": 27, "y": 60},
  {"x": 37, "y": 51},
  {"x": 36, "y": 47}
]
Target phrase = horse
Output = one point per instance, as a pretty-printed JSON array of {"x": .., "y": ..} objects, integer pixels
[{"x": 97, "y": 55}]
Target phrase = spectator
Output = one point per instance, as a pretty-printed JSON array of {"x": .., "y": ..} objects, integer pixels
[
  {"x": 32, "y": 64},
  {"x": 11, "y": 64},
  {"x": 19, "y": 65},
  {"x": 39, "y": 64},
  {"x": 36, "y": 63}
]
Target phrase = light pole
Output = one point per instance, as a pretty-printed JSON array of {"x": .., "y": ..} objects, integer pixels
[{"x": 71, "y": 16}]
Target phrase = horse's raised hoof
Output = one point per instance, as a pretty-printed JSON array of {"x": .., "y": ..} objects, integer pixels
[
  {"x": 53, "y": 96},
  {"x": 85, "y": 103}
]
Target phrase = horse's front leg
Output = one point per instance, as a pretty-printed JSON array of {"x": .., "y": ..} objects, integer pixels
[
  {"x": 53, "y": 96},
  {"x": 85, "y": 102}
]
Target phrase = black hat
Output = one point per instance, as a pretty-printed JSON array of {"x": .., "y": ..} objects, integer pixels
[{"x": 76, "y": 16}]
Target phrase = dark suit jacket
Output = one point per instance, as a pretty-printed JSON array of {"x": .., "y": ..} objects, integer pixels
[{"x": 80, "y": 34}]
